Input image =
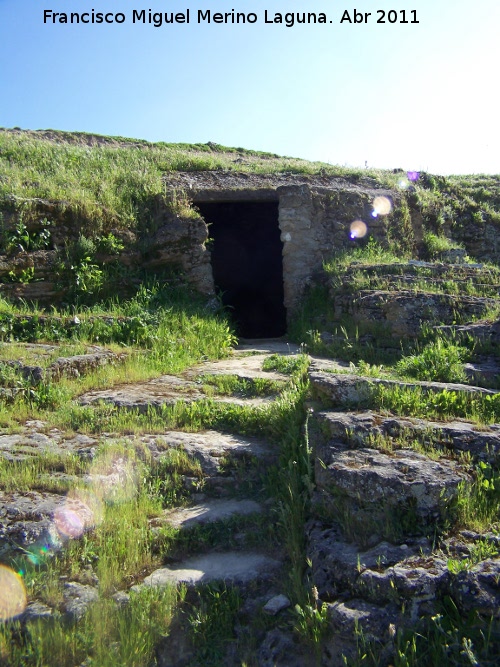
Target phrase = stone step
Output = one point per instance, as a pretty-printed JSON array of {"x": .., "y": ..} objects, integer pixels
[
  {"x": 238, "y": 568},
  {"x": 355, "y": 390},
  {"x": 162, "y": 391},
  {"x": 212, "y": 448},
  {"x": 382, "y": 494},
  {"x": 244, "y": 367},
  {"x": 416, "y": 284},
  {"x": 361, "y": 429},
  {"x": 405, "y": 312},
  {"x": 410, "y": 574},
  {"x": 476, "y": 272},
  {"x": 484, "y": 371},
  {"x": 39, "y": 522},
  {"x": 70, "y": 367},
  {"x": 482, "y": 331},
  {"x": 209, "y": 512},
  {"x": 249, "y": 346}
]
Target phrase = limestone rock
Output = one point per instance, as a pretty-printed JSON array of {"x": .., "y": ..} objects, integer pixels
[
  {"x": 77, "y": 599},
  {"x": 215, "y": 510},
  {"x": 404, "y": 312},
  {"x": 355, "y": 390},
  {"x": 406, "y": 477},
  {"x": 276, "y": 604},
  {"x": 478, "y": 589},
  {"x": 237, "y": 568},
  {"x": 281, "y": 649},
  {"x": 354, "y": 429}
]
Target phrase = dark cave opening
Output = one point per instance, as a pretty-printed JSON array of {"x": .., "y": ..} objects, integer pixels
[{"x": 247, "y": 264}]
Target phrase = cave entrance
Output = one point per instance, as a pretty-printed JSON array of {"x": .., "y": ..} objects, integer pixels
[{"x": 247, "y": 264}]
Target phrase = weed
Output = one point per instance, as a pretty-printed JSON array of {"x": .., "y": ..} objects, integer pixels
[
  {"x": 165, "y": 479},
  {"x": 212, "y": 623},
  {"x": 45, "y": 471},
  {"x": 233, "y": 385},
  {"x": 311, "y": 623},
  {"x": 438, "y": 361},
  {"x": 435, "y": 245},
  {"x": 288, "y": 364},
  {"x": 446, "y": 404},
  {"x": 107, "y": 636},
  {"x": 478, "y": 503}
]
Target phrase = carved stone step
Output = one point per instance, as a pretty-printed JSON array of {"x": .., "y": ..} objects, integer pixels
[{"x": 361, "y": 429}]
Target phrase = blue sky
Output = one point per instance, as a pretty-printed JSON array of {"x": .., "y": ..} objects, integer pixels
[{"x": 416, "y": 96}]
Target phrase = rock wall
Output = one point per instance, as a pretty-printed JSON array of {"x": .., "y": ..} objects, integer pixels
[
  {"x": 172, "y": 243},
  {"x": 315, "y": 214}
]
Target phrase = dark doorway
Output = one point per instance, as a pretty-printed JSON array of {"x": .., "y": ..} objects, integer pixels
[{"x": 247, "y": 264}]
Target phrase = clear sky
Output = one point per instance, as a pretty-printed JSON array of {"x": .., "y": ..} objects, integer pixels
[{"x": 420, "y": 96}]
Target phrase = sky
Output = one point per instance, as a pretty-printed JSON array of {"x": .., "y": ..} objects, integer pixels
[{"x": 417, "y": 96}]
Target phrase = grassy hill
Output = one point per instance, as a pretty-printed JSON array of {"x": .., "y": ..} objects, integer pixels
[
  {"x": 110, "y": 182},
  {"x": 91, "y": 390}
]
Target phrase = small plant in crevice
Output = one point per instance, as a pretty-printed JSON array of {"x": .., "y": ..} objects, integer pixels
[
  {"x": 311, "y": 622},
  {"x": 478, "y": 501},
  {"x": 21, "y": 239}
]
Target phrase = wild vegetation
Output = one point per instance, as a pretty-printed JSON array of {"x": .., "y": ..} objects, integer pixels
[{"x": 161, "y": 327}]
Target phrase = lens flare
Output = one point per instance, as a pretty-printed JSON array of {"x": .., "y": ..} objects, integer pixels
[
  {"x": 13, "y": 599},
  {"x": 358, "y": 229},
  {"x": 381, "y": 206},
  {"x": 69, "y": 523},
  {"x": 81, "y": 510},
  {"x": 403, "y": 184}
]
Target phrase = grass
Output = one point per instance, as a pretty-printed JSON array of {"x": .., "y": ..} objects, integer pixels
[
  {"x": 233, "y": 385},
  {"x": 478, "y": 506},
  {"x": 212, "y": 623},
  {"x": 439, "y": 361},
  {"x": 370, "y": 253},
  {"x": 288, "y": 364},
  {"x": 446, "y": 638},
  {"x": 46, "y": 471},
  {"x": 446, "y": 404},
  {"x": 107, "y": 636},
  {"x": 436, "y": 244},
  {"x": 116, "y": 184}
]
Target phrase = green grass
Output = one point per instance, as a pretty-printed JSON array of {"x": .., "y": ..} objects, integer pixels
[
  {"x": 212, "y": 623},
  {"x": 109, "y": 636},
  {"x": 233, "y": 385},
  {"x": 447, "y": 638},
  {"x": 116, "y": 184},
  {"x": 288, "y": 364},
  {"x": 439, "y": 361},
  {"x": 370, "y": 253},
  {"x": 436, "y": 244},
  {"x": 445, "y": 404},
  {"x": 478, "y": 505},
  {"x": 46, "y": 471}
]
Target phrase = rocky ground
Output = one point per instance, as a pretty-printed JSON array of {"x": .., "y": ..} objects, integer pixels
[{"x": 384, "y": 552}]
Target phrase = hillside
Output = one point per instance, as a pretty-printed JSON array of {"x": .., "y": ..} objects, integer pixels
[{"x": 173, "y": 494}]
